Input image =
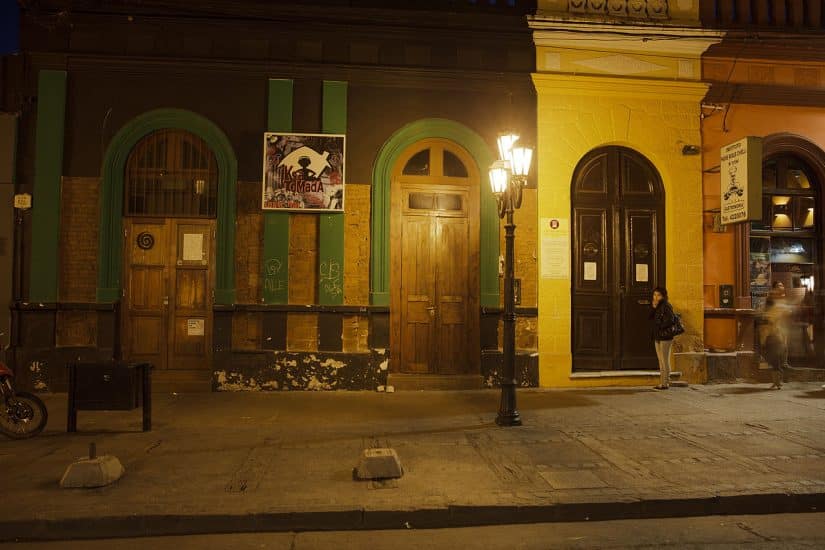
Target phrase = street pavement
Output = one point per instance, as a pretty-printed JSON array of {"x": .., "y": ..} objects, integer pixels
[{"x": 249, "y": 462}]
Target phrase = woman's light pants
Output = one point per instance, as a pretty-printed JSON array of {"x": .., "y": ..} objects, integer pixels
[{"x": 663, "y": 348}]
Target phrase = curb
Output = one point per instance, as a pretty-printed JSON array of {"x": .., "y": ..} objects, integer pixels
[{"x": 427, "y": 518}]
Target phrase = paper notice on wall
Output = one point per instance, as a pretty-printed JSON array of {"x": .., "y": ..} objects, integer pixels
[
  {"x": 641, "y": 273},
  {"x": 590, "y": 271},
  {"x": 194, "y": 327},
  {"x": 555, "y": 248},
  {"x": 192, "y": 247}
]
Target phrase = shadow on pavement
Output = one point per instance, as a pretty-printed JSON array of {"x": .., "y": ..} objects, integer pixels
[
  {"x": 815, "y": 394},
  {"x": 745, "y": 391}
]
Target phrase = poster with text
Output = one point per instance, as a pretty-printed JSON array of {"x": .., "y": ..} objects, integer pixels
[{"x": 303, "y": 172}]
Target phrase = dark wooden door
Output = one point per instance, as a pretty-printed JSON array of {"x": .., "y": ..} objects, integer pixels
[
  {"x": 434, "y": 274},
  {"x": 167, "y": 295},
  {"x": 618, "y": 258}
]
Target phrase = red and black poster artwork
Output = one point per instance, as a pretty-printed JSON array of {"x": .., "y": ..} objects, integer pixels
[{"x": 303, "y": 172}]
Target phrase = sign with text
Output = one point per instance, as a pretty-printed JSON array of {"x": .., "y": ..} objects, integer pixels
[
  {"x": 303, "y": 172},
  {"x": 741, "y": 181},
  {"x": 555, "y": 248}
]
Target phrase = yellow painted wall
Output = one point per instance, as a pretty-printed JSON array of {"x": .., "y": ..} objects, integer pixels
[{"x": 656, "y": 118}]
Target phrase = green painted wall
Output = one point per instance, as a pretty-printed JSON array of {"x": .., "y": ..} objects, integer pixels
[
  {"x": 48, "y": 170},
  {"x": 276, "y": 224},
  {"x": 331, "y": 226}
]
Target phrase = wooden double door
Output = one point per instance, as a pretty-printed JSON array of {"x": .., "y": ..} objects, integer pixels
[
  {"x": 618, "y": 258},
  {"x": 434, "y": 233},
  {"x": 168, "y": 292}
]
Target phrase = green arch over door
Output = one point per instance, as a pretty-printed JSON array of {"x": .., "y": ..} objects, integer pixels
[
  {"x": 381, "y": 180},
  {"x": 111, "y": 198}
]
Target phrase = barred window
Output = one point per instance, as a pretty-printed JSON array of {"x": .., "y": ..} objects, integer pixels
[{"x": 171, "y": 173}]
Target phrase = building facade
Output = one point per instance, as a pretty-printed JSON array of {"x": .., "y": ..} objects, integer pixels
[
  {"x": 620, "y": 204},
  {"x": 766, "y": 81},
  {"x": 140, "y": 137}
]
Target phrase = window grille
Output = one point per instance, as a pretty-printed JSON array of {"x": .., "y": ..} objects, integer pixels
[{"x": 171, "y": 173}]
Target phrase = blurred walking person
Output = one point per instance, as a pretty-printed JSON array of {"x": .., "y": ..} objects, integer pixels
[{"x": 778, "y": 316}]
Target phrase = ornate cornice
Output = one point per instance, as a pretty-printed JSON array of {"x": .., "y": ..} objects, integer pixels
[{"x": 648, "y": 39}]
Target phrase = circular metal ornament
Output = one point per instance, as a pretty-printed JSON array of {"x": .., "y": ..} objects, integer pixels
[
  {"x": 590, "y": 249},
  {"x": 145, "y": 240}
]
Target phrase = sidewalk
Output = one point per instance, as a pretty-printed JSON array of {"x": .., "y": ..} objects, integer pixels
[{"x": 236, "y": 462}]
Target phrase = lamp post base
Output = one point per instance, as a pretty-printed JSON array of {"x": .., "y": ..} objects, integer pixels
[
  {"x": 508, "y": 419},
  {"x": 507, "y": 413}
]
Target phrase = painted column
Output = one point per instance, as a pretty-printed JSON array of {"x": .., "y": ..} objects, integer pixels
[
  {"x": 276, "y": 224},
  {"x": 331, "y": 226},
  {"x": 48, "y": 170}
]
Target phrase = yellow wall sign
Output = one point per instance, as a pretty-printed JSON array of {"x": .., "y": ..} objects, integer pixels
[{"x": 741, "y": 181}]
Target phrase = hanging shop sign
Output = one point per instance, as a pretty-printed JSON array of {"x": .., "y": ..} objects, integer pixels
[
  {"x": 741, "y": 177},
  {"x": 303, "y": 172}
]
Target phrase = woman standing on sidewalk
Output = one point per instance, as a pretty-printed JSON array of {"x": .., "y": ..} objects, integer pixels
[{"x": 662, "y": 319}]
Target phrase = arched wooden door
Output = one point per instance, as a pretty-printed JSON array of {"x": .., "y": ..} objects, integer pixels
[
  {"x": 170, "y": 205},
  {"x": 434, "y": 256},
  {"x": 618, "y": 258}
]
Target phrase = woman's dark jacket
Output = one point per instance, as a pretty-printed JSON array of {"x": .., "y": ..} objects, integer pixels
[{"x": 661, "y": 319}]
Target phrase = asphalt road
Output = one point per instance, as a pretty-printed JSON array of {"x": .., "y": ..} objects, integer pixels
[{"x": 764, "y": 531}]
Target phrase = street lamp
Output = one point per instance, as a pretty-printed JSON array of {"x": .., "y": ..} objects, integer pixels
[{"x": 508, "y": 175}]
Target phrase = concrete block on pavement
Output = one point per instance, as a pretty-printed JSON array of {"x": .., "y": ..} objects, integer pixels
[
  {"x": 379, "y": 463},
  {"x": 92, "y": 472}
]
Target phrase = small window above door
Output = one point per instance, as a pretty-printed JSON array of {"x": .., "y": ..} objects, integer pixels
[
  {"x": 436, "y": 161},
  {"x": 418, "y": 165}
]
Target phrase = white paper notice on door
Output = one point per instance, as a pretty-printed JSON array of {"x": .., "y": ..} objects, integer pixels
[
  {"x": 641, "y": 273},
  {"x": 194, "y": 327},
  {"x": 192, "y": 247},
  {"x": 590, "y": 271}
]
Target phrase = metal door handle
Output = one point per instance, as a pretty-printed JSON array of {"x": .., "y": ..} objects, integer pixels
[
  {"x": 643, "y": 302},
  {"x": 166, "y": 300},
  {"x": 431, "y": 309}
]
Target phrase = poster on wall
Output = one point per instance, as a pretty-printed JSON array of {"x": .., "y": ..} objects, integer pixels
[
  {"x": 303, "y": 172},
  {"x": 760, "y": 271}
]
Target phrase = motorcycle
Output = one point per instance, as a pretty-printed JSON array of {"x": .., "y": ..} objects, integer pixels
[{"x": 22, "y": 414}]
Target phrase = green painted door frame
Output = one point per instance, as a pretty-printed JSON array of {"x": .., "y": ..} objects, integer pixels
[
  {"x": 110, "y": 259},
  {"x": 381, "y": 181}
]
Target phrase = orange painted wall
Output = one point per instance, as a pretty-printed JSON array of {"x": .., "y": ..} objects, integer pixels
[{"x": 719, "y": 248}]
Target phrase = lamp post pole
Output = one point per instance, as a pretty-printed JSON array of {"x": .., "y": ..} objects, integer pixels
[
  {"x": 508, "y": 176},
  {"x": 507, "y": 413}
]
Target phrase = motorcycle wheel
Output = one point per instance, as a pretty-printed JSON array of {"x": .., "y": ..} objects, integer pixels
[{"x": 22, "y": 416}]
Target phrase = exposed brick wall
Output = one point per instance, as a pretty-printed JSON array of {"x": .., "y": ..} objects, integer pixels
[
  {"x": 355, "y": 333},
  {"x": 526, "y": 220},
  {"x": 303, "y": 259},
  {"x": 302, "y": 331},
  {"x": 248, "y": 243},
  {"x": 78, "y": 239},
  {"x": 357, "y": 245}
]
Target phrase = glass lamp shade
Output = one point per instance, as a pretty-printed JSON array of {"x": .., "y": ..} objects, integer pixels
[
  {"x": 521, "y": 158},
  {"x": 505, "y": 142},
  {"x": 499, "y": 176}
]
